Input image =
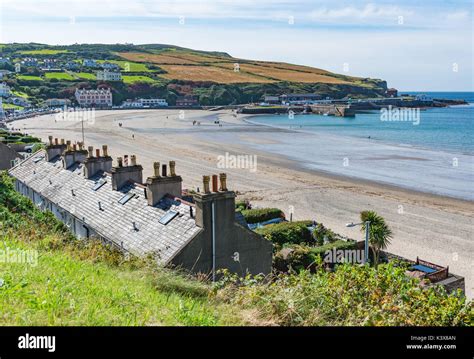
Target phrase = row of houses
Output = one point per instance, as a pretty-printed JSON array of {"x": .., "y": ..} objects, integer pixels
[{"x": 96, "y": 199}]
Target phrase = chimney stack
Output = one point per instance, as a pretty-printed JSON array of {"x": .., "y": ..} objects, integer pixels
[
  {"x": 159, "y": 186},
  {"x": 223, "y": 179},
  {"x": 172, "y": 168},
  {"x": 224, "y": 208},
  {"x": 94, "y": 165},
  {"x": 205, "y": 184},
  {"x": 156, "y": 169},
  {"x": 72, "y": 156},
  {"x": 54, "y": 150},
  {"x": 123, "y": 174},
  {"x": 214, "y": 183}
]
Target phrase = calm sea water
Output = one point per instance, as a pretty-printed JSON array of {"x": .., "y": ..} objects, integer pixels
[{"x": 448, "y": 129}]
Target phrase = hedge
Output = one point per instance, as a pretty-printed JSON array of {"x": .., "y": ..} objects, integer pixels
[
  {"x": 300, "y": 257},
  {"x": 261, "y": 214},
  {"x": 287, "y": 233}
]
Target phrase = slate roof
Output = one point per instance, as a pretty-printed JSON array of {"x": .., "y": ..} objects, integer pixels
[{"x": 115, "y": 221}]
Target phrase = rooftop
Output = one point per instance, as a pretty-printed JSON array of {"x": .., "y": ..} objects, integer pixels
[{"x": 134, "y": 225}]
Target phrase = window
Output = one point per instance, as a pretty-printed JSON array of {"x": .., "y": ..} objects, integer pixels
[
  {"x": 168, "y": 217},
  {"x": 126, "y": 198},
  {"x": 99, "y": 184}
]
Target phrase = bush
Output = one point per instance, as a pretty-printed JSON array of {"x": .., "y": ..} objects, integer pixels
[
  {"x": 262, "y": 214},
  {"x": 322, "y": 234},
  {"x": 351, "y": 296},
  {"x": 30, "y": 139},
  {"x": 287, "y": 233},
  {"x": 299, "y": 257},
  {"x": 242, "y": 205}
]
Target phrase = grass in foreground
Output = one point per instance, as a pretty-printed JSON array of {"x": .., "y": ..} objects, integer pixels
[{"x": 85, "y": 283}]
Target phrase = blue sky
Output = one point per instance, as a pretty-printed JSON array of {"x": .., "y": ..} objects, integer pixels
[{"x": 414, "y": 45}]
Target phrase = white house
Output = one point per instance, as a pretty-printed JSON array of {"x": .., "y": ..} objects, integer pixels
[
  {"x": 145, "y": 102},
  {"x": 89, "y": 63},
  {"x": 107, "y": 75},
  {"x": 110, "y": 66},
  {"x": 4, "y": 90}
]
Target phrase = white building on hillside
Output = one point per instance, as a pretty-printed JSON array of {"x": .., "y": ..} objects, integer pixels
[
  {"x": 4, "y": 90},
  {"x": 107, "y": 75},
  {"x": 90, "y": 63},
  {"x": 145, "y": 102},
  {"x": 94, "y": 98}
]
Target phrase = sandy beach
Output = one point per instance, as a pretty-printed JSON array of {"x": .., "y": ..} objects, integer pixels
[{"x": 435, "y": 228}]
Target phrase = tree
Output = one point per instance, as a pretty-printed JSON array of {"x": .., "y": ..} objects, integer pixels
[{"x": 379, "y": 233}]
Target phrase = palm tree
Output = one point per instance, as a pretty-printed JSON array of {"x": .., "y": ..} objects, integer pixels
[{"x": 379, "y": 233}]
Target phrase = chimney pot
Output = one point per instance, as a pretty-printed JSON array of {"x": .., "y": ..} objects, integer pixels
[
  {"x": 172, "y": 168},
  {"x": 223, "y": 178},
  {"x": 74, "y": 147},
  {"x": 125, "y": 160},
  {"x": 56, "y": 141},
  {"x": 104, "y": 150},
  {"x": 68, "y": 144},
  {"x": 90, "y": 149},
  {"x": 62, "y": 141},
  {"x": 97, "y": 152},
  {"x": 133, "y": 160},
  {"x": 156, "y": 169},
  {"x": 50, "y": 138},
  {"x": 205, "y": 182},
  {"x": 81, "y": 145},
  {"x": 119, "y": 161},
  {"x": 163, "y": 170},
  {"x": 214, "y": 183}
]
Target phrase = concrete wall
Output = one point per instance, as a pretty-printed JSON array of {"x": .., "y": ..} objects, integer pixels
[{"x": 238, "y": 249}]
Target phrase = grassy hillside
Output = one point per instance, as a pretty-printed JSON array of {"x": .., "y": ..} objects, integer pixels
[
  {"x": 75, "y": 282},
  {"x": 169, "y": 71}
]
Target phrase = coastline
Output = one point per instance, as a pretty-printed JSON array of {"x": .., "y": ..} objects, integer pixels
[{"x": 433, "y": 227}]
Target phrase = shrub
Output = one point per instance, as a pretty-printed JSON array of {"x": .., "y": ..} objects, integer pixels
[
  {"x": 298, "y": 257},
  {"x": 287, "y": 233},
  {"x": 322, "y": 234},
  {"x": 261, "y": 214},
  {"x": 351, "y": 296},
  {"x": 242, "y": 205}
]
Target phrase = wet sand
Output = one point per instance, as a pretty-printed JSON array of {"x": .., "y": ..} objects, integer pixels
[{"x": 435, "y": 228}]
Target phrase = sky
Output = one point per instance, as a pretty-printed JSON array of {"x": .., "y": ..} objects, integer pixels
[{"x": 413, "y": 45}]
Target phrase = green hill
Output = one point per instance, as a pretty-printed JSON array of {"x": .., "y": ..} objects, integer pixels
[{"x": 168, "y": 71}]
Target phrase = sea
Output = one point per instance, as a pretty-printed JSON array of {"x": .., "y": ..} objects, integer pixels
[
  {"x": 431, "y": 151},
  {"x": 449, "y": 128}
]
